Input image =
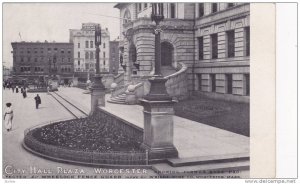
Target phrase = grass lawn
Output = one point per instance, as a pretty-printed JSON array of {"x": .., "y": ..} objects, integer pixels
[{"x": 231, "y": 116}]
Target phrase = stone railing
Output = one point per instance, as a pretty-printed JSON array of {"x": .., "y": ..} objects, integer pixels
[
  {"x": 177, "y": 84},
  {"x": 119, "y": 90},
  {"x": 119, "y": 79}
]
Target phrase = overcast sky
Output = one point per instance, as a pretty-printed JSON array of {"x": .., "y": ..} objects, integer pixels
[{"x": 52, "y": 21}]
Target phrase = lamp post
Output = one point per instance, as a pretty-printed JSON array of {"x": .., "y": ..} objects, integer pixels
[
  {"x": 158, "y": 89},
  {"x": 98, "y": 89},
  {"x": 158, "y": 105}
]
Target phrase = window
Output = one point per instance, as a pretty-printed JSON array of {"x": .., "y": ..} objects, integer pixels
[
  {"x": 172, "y": 7},
  {"x": 62, "y": 51},
  {"x": 69, "y": 51},
  {"x": 78, "y": 54},
  {"x": 35, "y": 59},
  {"x": 213, "y": 82},
  {"x": 22, "y": 59},
  {"x": 104, "y": 55},
  {"x": 103, "y": 45},
  {"x": 247, "y": 84},
  {"x": 86, "y": 44},
  {"x": 214, "y": 46},
  {"x": 55, "y": 49},
  {"x": 214, "y": 7},
  {"x": 199, "y": 82},
  {"x": 78, "y": 63},
  {"x": 200, "y": 43},
  {"x": 201, "y": 9},
  {"x": 28, "y": 51},
  {"x": 91, "y": 55},
  {"x": 247, "y": 41},
  {"x": 145, "y": 5},
  {"x": 91, "y": 44},
  {"x": 127, "y": 17},
  {"x": 78, "y": 45},
  {"x": 229, "y": 5},
  {"x": 86, "y": 55},
  {"x": 228, "y": 78},
  {"x": 69, "y": 59},
  {"x": 62, "y": 59},
  {"x": 28, "y": 59},
  {"x": 230, "y": 43},
  {"x": 140, "y": 7}
]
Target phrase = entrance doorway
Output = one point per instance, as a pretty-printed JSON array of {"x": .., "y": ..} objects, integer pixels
[{"x": 167, "y": 52}]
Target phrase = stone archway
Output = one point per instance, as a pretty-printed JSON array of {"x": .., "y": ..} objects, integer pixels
[{"x": 167, "y": 54}]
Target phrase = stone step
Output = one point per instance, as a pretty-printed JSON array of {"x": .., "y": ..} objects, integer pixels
[
  {"x": 164, "y": 169},
  {"x": 178, "y": 162}
]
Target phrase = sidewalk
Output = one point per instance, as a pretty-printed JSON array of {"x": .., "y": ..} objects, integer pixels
[
  {"x": 26, "y": 116},
  {"x": 192, "y": 139}
]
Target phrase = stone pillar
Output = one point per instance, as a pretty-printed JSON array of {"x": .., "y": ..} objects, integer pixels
[
  {"x": 98, "y": 93},
  {"x": 159, "y": 130}
]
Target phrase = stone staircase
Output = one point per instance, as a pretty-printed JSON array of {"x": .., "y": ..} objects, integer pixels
[
  {"x": 172, "y": 74},
  {"x": 119, "y": 99},
  {"x": 228, "y": 165}
]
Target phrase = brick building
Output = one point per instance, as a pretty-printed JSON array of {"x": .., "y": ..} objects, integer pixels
[
  {"x": 211, "y": 39},
  {"x": 85, "y": 50},
  {"x": 39, "y": 60}
]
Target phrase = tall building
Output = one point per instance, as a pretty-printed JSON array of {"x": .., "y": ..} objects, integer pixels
[
  {"x": 84, "y": 50},
  {"x": 113, "y": 57},
  {"x": 39, "y": 60},
  {"x": 211, "y": 39}
]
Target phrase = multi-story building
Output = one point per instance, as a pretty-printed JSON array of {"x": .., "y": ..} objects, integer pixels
[
  {"x": 113, "y": 57},
  {"x": 84, "y": 50},
  {"x": 211, "y": 39},
  {"x": 38, "y": 60}
]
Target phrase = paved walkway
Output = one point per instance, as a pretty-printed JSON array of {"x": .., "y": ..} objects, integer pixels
[
  {"x": 26, "y": 116},
  {"x": 192, "y": 139}
]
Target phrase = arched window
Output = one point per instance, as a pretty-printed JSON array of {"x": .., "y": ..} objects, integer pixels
[
  {"x": 91, "y": 55},
  {"x": 86, "y": 55},
  {"x": 127, "y": 17}
]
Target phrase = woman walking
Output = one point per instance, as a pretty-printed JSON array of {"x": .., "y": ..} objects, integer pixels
[{"x": 8, "y": 117}]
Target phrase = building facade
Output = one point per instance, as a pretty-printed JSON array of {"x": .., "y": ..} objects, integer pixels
[
  {"x": 114, "y": 57},
  {"x": 84, "y": 50},
  {"x": 39, "y": 60},
  {"x": 211, "y": 39}
]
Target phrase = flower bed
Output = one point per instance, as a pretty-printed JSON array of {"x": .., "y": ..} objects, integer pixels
[{"x": 95, "y": 139}]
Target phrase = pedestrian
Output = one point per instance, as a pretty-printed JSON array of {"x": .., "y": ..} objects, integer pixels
[
  {"x": 8, "y": 117},
  {"x": 4, "y": 85},
  {"x": 38, "y": 101},
  {"x": 22, "y": 90},
  {"x": 24, "y": 93},
  {"x": 17, "y": 89}
]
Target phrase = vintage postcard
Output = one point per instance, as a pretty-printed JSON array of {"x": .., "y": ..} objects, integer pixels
[{"x": 138, "y": 90}]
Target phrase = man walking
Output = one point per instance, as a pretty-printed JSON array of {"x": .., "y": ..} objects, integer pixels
[{"x": 38, "y": 101}]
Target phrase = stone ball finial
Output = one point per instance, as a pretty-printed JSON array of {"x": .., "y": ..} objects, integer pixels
[
  {"x": 113, "y": 85},
  {"x": 131, "y": 88}
]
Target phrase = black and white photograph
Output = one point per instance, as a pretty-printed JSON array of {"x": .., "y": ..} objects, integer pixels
[{"x": 143, "y": 90}]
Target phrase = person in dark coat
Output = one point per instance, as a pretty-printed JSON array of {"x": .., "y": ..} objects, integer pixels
[
  {"x": 24, "y": 93},
  {"x": 38, "y": 101},
  {"x": 17, "y": 89}
]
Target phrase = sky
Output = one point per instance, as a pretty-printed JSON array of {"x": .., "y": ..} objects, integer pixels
[{"x": 52, "y": 21}]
